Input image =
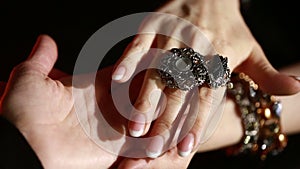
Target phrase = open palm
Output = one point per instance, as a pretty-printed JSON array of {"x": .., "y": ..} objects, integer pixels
[{"x": 42, "y": 108}]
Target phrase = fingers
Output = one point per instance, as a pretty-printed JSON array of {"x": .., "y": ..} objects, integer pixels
[
  {"x": 269, "y": 79},
  {"x": 292, "y": 70},
  {"x": 146, "y": 104},
  {"x": 151, "y": 90},
  {"x": 132, "y": 56},
  {"x": 169, "y": 160},
  {"x": 197, "y": 117},
  {"x": 165, "y": 127},
  {"x": 153, "y": 26},
  {"x": 43, "y": 55},
  {"x": 136, "y": 50}
]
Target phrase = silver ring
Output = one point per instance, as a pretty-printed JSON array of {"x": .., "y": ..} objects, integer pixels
[{"x": 183, "y": 68}]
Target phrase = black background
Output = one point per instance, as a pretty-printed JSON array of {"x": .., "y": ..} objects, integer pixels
[{"x": 275, "y": 25}]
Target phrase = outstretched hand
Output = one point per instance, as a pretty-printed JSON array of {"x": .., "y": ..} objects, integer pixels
[
  {"x": 204, "y": 25},
  {"x": 208, "y": 27},
  {"x": 38, "y": 101}
]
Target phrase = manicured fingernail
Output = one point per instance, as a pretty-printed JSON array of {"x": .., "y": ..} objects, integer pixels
[
  {"x": 186, "y": 145},
  {"x": 155, "y": 147},
  {"x": 137, "y": 125},
  {"x": 157, "y": 112},
  {"x": 119, "y": 73},
  {"x": 296, "y": 77}
]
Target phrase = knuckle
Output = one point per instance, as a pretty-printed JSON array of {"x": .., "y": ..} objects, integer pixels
[
  {"x": 138, "y": 44},
  {"x": 175, "y": 95},
  {"x": 142, "y": 104},
  {"x": 198, "y": 125},
  {"x": 128, "y": 61},
  {"x": 162, "y": 126},
  {"x": 206, "y": 96}
]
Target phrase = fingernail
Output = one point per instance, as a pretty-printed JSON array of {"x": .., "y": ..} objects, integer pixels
[
  {"x": 137, "y": 125},
  {"x": 155, "y": 147},
  {"x": 119, "y": 73},
  {"x": 296, "y": 77},
  {"x": 186, "y": 145},
  {"x": 157, "y": 112}
]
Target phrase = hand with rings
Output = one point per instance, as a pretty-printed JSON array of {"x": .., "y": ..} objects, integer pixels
[{"x": 215, "y": 31}]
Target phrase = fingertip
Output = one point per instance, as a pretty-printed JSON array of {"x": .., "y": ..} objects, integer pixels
[
  {"x": 47, "y": 43},
  {"x": 296, "y": 78},
  {"x": 44, "y": 53},
  {"x": 152, "y": 154},
  {"x": 294, "y": 84},
  {"x": 131, "y": 57},
  {"x": 186, "y": 146},
  {"x": 119, "y": 74},
  {"x": 268, "y": 78},
  {"x": 184, "y": 153},
  {"x": 155, "y": 147},
  {"x": 136, "y": 133},
  {"x": 136, "y": 125}
]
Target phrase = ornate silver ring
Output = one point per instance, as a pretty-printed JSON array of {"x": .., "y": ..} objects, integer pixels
[{"x": 183, "y": 68}]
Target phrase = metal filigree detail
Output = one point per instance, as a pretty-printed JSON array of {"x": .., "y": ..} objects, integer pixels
[
  {"x": 260, "y": 114},
  {"x": 185, "y": 69}
]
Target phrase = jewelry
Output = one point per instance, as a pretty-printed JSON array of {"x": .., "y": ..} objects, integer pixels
[
  {"x": 260, "y": 114},
  {"x": 183, "y": 68}
]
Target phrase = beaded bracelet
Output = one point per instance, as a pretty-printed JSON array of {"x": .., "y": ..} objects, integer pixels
[{"x": 260, "y": 114}]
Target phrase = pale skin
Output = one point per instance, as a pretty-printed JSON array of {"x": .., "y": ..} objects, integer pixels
[
  {"x": 42, "y": 108},
  {"x": 38, "y": 101},
  {"x": 222, "y": 24},
  {"x": 55, "y": 134},
  {"x": 229, "y": 131}
]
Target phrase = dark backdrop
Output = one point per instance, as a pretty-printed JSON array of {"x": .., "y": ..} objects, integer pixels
[{"x": 273, "y": 23}]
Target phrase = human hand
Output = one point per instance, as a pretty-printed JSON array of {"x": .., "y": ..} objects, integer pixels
[
  {"x": 170, "y": 159},
  {"x": 206, "y": 25},
  {"x": 209, "y": 27},
  {"x": 38, "y": 100}
]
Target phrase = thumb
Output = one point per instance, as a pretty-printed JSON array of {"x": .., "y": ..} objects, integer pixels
[
  {"x": 43, "y": 54},
  {"x": 266, "y": 76}
]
